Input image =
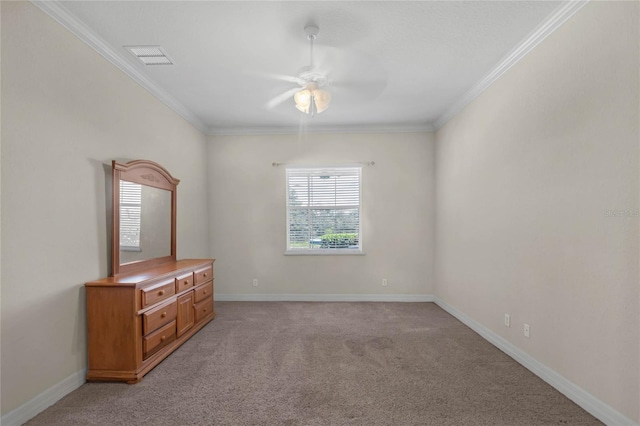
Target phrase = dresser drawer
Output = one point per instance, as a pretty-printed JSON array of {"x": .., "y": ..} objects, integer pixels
[
  {"x": 204, "y": 291},
  {"x": 157, "y": 293},
  {"x": 184, "y": 282},
  {"x": 156, "y": 317},
  {"x": 156, "y": 340},
  {"x": 203, "y": 275},
  {"x": 203, "y": 309}
]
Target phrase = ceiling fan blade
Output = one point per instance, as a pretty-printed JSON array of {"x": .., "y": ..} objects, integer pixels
[
  {"x": 282, "y": 77},
  {"x": 357, "y": 75},
  {"x": 364, "y": 84},
  {"x": 277, "y": 77},
  {"x": 374, "y": 86},
  {"x": 281, "y": 98}
]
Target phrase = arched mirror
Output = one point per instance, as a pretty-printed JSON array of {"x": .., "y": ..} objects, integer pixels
[{"x": 144, "y": 216}]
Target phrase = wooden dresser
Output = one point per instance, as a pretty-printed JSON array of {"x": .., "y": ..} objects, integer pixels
[{"x": 136, "y": 320}]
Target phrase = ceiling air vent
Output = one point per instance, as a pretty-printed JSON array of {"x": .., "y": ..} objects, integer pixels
[{"x": 150, "y": 55}]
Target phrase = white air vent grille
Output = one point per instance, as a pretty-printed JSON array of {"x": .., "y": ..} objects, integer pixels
[{"x": 150, "y": 55}]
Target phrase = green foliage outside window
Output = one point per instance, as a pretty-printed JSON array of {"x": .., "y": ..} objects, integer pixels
[{"x": 339, "y": 240}]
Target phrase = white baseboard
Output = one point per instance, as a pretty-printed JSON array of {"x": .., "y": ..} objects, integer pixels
[
  {"x": 584, "y": 399},
  {"x": 33, "y": 407},
  {"x": 297, "y": 297}
]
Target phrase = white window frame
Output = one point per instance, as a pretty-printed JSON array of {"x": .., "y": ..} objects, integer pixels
[{"x": 330, "y": 251}]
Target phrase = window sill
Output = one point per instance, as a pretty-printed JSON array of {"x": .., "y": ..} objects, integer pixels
[
  {"x": 130, "y": 248},
  {"x": 347, "y": 252}
]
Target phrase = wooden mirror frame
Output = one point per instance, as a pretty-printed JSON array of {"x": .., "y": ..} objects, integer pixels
[{"x": 146, "y": 173}]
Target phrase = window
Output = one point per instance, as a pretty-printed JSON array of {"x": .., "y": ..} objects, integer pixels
[
  {"x": 323, "y": 210},
  {"x": 130, "y": 212}
]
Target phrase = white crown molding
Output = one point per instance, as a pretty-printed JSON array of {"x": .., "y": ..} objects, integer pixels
[
  {"x": 36, "y": 405},
  {"x": 60, "y": 14},
  {"x": 299, "y": 297},
  {"x": 546, "y": 28},
  {"x": 584, "y": 399},
  {"x": 290, "y": 130}
]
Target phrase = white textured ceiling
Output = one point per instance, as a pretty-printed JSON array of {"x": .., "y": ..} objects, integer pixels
[{"x": 394, "y": 64}]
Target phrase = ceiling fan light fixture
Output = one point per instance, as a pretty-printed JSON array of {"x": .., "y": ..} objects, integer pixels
[
  {"x": 311, "y": 99},
  {"x": 303, "y": 100},
  {"x": 322, "y": 98}
]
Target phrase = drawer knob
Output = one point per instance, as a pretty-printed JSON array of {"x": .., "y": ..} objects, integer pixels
[
  {"x": 163, "y": 338},
  {"x": 204, "y": 292},
  {"x": 204, "y": 275},
  {"x": 164, "y": 314},
  {"x": 204, "y": 310},
  {"x": 186, "y": 283},
  {"x": 161, "y": 293}
]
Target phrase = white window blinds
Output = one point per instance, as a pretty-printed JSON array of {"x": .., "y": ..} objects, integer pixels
[
  {"x": 130, "y": 213},
  {"x": 323, "y": 209}
]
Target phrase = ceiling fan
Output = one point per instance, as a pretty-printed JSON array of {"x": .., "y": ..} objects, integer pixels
[{"x": 312, "y": 96}]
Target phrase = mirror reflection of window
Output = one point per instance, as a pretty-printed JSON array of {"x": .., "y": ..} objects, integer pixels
[
  {"x": 145, "y": 222},
  {"x": 130, "y": 215}
]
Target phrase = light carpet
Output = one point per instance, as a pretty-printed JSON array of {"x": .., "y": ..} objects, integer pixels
[{"x": 295, "y": 363}]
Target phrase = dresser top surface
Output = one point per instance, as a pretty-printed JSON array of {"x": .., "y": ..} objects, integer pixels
[{"x": 147, "y": 274}]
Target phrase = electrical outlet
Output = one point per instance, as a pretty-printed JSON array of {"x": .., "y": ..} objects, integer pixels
[
  {"x": 507, "y": 320},
  {"x": 255, "y": 282},
  {"x": 526, "y": 330},
  {"x": 384, "y": 282}
]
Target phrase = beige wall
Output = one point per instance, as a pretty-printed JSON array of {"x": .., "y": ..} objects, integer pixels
[
  {"x": 66, "y": 113},
  {"x": 248, "y": 222},
  {"x": 526, "y": 176}
]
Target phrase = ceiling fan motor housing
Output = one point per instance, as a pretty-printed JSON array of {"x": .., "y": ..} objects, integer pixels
[
  {"x": 307, "y": 76},
  {"x": 311, "y": 31}
]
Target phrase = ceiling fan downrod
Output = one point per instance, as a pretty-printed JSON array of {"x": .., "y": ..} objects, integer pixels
[{"x": 312, "y": 32}]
